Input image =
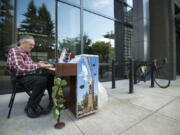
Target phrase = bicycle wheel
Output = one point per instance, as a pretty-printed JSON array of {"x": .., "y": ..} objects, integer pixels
[{"x": 161, "y": 77}]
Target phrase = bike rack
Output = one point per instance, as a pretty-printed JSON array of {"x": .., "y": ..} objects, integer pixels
[
  {"x": 152, "y": 74},
  {"x": 131, "y": 75},
  {"x": 113, "y": 75}
]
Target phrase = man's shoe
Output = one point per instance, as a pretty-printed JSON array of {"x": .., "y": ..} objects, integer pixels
[
  {"x": 38, "y": 109},
  {"x": 31, "y": 112},
  {"x": 41, "y": 110}
]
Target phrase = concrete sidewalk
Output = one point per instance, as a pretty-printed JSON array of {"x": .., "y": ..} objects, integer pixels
[{"x": 148, "y": 111}]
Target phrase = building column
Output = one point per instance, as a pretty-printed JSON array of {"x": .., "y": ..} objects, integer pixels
[
  {"x": 119, "y": 37},
  {"x": 141, "y": 34},
  {"x": 162, "y": 32}
]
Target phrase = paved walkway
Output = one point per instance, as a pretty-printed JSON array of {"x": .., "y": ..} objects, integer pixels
[{"x": 148, "y": 111}]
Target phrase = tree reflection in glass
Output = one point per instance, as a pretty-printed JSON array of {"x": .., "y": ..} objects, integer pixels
[
  {"x": 6, "y": 37},
  {"x": 38, "y": 23},
  {"x": 6, "y": 26}
]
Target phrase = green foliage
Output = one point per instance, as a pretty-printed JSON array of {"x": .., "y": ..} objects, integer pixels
[
  {"x": 63, "y": 83},
  {"x": 74, "y": 44},
  {"x": 80, "y": 108},
  {"x": 85, "y": 100},
  {"x": 71, "y": 44},
  {"x": 60, "y": 93},
  {"x": 57, "y": 82},
  {"x": 87, "y": 42},
  {"x": 58, "y": 97},
  {"x": 55, "y": 115},
  {"x": 95, "y": 102},
  {"x": 100, "y": 48},
  {"x": 103, "y": 50}
]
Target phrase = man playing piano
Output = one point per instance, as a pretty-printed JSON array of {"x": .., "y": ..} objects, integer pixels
[{"x": 20, "y": 63}]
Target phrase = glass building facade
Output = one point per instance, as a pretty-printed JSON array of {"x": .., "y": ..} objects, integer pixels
[{"x": 102, "y": 27}]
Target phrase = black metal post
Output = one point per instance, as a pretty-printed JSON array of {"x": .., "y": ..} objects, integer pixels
[
  {"x": 152, "y": 74},
  {"x": 101, "y": 71},
  {"x": 131, "y": 76},
  {"x": 113, "y": 74},
  {"x": 135, "y": 76}
]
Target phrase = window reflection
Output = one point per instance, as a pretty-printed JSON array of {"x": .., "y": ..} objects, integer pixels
[
  {"x": 6, "y": 39},
  {"x": 99, "y": 32},
  {"x": 105, "y": 7},
  {"x": 74, "y": 1},
  {"x": 128, "y": 15},
  {"x": 129, "y": 2},
  {"x": 37, "y": 18},
  {"x": 68, "y": 28},
  {"x": 99, "y": 40},
  {"x": 6, "y": 27}
]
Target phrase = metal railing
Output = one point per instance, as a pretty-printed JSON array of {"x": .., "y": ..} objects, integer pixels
[{"x": 132, "y": 66}]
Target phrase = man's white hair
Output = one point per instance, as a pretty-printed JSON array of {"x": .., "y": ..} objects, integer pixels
[{"x": 25, "y": 38}]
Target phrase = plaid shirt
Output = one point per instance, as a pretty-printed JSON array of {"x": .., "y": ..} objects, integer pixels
[{"x": 20, "y": 62}]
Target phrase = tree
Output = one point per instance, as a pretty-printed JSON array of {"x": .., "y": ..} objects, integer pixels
[
  {"x": 38, "y": 22},
  {"x": 80, "y": 108},
  {"x": 85, "y": 100},
  {"x": 87, "y": 43},
  {"x": 95, "y": 102},
  {"x": 5, "y": 27},
  {"x": 74, "y": 44},
  {"x": 30, "y": 23},
  {"x": 103, "y": 50},
  {"x": 71, "y": 44},
  {"x": 46, "y": 28},
  {"x": 100, "y": 48},
  {"x": 46, "y": 24}
]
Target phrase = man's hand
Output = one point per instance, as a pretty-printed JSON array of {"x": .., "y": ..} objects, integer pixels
[{"x": 46, "y": 65}]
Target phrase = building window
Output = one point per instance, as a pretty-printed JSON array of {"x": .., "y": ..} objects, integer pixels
[
  {"x": 77, "y": 2},
  {"x": 105, "y": 26},
  {"x": 37, "y": 18},
  {"x": 68, "y": 28},
  {"x": 105, "y": 7},
  {"x": 129, "y": 2},
  {"x": 6, "y": 27},
  {"x": 99, "y": 40},
  {"x": 6, "y": 38}
]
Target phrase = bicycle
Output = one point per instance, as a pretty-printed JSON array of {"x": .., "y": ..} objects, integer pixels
[
  {"x": 160, "y": 73},
  {"x": 142, "y": 71}
]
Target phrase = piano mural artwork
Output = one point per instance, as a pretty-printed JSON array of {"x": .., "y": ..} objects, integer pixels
[
  {"x": 82, "y": 78},
  {"x": 87, "y": 85}
]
